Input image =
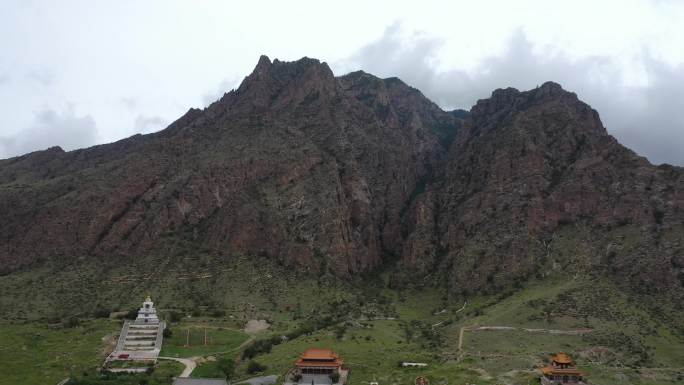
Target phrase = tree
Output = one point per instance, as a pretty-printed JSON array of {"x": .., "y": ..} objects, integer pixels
[
  {"x": 335, "y": 378},
  {"x": 227, "y": 366},
  {"x": 255, "y": 367}
]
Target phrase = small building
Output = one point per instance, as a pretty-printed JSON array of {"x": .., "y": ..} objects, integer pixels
[
  {"x": 562, "y": 371},
  {"x": 319, "y": 361}
]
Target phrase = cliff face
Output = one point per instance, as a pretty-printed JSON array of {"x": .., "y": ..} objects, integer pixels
[
  {"x": 534, "y": 183},
  {"x": 343, "y": 174},
  {"x": 295, "y": 164}
]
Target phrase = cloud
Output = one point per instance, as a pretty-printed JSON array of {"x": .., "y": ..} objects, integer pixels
[
  {"x": 129, "y": 102},
  {"x": 639, "y": 103},
  {"x": 52, "y": 128},
  {"x": 4, "y": 79},
  {"x": 225, "y": 86},
  {"x": 44, "y": 77},
  {"x": 148, "y": 124}
]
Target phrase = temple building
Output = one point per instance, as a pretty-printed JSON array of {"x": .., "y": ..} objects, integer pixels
[
  {"x": 319, "y": 361},
  {"x": 562, "y": 371},
  {"x": 141, "y": 339}
]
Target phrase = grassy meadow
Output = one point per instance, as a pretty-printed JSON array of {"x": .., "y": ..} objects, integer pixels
[{"x": 373, "y": 327}]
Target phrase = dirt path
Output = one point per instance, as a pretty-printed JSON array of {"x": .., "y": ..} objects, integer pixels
[{"x": 189, "y": 363}]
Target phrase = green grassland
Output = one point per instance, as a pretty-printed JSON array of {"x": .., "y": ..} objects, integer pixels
[
  {"x": 371, "y": 351},
  {"x": 188, "y": 340},
  {"x": 372, "y": 326},
  {"x": 35, "y": 354}
]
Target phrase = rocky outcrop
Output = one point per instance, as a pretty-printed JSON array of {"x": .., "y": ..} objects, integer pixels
[{"x": 344, "y": 174}]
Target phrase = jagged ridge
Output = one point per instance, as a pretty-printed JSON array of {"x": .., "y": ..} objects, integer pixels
[{"x": 344, "y": 174}]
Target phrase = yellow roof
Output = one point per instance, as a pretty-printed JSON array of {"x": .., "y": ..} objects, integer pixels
[{"x": 562, "y": 358}]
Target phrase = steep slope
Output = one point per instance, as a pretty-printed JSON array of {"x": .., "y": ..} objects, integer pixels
[
  {"x": 294, "y": 164},
  {"x": 534, "y": 184},
  {"x": 341, "y": 175}
]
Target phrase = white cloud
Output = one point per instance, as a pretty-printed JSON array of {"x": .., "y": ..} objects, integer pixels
[
  {"x": 226, "y": 85},
  {"x": 43, "y": 76},
  {"x": 52, "y": 128},
  {"x": 130, "y": 103},
  {"x": 147, "y": 124}
]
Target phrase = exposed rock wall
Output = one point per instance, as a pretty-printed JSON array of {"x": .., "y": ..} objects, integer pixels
[{"x": 344, "y": 174}]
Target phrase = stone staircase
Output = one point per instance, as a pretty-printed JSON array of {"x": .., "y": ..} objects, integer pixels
[
  {"x": 139, "y": 342},
  {"x": 141, "y": 337}
]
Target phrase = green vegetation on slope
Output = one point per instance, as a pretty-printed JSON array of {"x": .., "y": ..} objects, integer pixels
[
  {"x": 372, "y": 326},
  {"x": 35, "y": 354},
  {"x": 188, "y": 340}
]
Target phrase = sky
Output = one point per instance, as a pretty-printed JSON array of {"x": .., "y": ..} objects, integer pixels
[{"x": 79, "y": 73}]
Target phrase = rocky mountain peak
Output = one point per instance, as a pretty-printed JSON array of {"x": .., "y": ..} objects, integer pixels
[
  {"x": 279, "y": 83},
  {"x": 548, "y": 100},
  {"x": 263, "y": 65}
]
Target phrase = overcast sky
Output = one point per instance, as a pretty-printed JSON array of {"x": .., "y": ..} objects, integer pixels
[{"x": 78, "y": 73}]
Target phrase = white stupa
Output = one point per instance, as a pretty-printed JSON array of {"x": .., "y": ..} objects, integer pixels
[
  {"x": 141, "y": 339},
  {"x": 147, "y": 313}
]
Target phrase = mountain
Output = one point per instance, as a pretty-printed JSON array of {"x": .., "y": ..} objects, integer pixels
[{"x": 347, "y": 175}]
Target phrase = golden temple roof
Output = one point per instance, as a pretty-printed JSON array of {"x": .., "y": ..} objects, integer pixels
[{"x": 562, "y": 358}]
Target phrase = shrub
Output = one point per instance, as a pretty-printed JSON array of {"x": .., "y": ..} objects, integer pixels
[
  {"x": 255, "y": 367},
  {"x": 167, "y": 332},
  {"x": 132, "y": 314},
  {"x": 71, "y": 322},
  {"x": 227, "y": 366},
  {"x": 175, "y": 316},
  {"x": 101, "y": 313},
  {"x": 258, "y": 347}
]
